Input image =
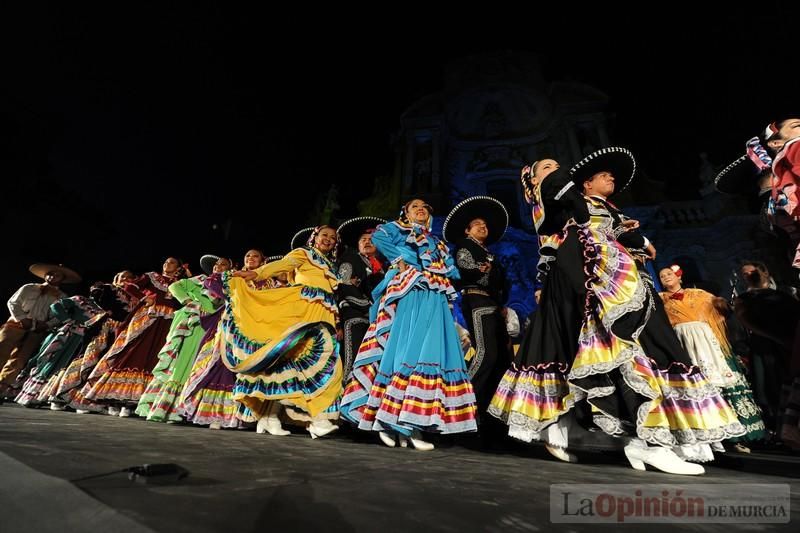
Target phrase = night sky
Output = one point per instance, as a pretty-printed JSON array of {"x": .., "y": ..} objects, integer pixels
[{"x": 128, "y": 135}]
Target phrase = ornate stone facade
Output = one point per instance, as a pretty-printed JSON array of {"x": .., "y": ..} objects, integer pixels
[
  {"x": 709, "y": 237},
  {"x": 496, "y": 113}
]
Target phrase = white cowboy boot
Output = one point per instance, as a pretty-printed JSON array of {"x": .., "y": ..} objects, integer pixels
[
  {"x": 271, "y": 423},
  {"x": 661, "y": 458},
  {"x": 387, "y": 438},
  {"x": 416, "y": 442},
  {"x": 561, "y": 454},
  {"x": 321, "y": 426}
]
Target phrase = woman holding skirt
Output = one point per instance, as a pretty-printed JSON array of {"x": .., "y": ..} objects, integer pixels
[
  {"x": 600, "y": 349},
  {"x": 409, "y": 376},
  {"x": 281, "y": 341}
]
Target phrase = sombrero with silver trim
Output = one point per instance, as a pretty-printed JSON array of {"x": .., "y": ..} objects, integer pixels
[
  {"x": 300, "y": 238},
  {"x": 350, "y": 231},
  {"x": 41, "y": 270},
  {"x": 272, "y": 258},
  {"x": 491, "y": 210},
  {"x": 739, "y": 177},
  {"x": 614, "y": 159},
  {"x": 207, "y": 263}
]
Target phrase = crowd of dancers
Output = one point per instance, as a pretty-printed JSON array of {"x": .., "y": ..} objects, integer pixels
[{"x": 356, "y": 326}]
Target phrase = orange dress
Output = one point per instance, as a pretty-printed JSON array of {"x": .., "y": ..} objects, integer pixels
[{"x": 701, "y": 329}]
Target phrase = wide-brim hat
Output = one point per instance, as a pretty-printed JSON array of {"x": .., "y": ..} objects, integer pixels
[
  {"x": 207, "y": 263},
  {"x": 272, "y": 258},
  {"x": 300, "y": 238},
  {"x": 492, "y": 211},
  {"x": 41, "y": 270},
  {"x": 614, "y": 159},
  {"x": 350, "y": 231},
  {"x": 739, "y": 177}
]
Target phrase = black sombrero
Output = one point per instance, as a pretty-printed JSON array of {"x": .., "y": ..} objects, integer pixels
[
  {"x": 614, "y": 159},
  {"x": 300, "y": 238},
  {"x": 207, "y": 263},
  {"x": 484, "y": 207},
  {"x": 737, "y": 178},
  {"x": 351, "y": 230},
  {"x": 41, "y": 270}
]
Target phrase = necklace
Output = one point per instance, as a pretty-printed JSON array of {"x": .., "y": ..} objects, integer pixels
[
  {"x": 320, "y": 255},
  {"x": 677, "y": 295}
]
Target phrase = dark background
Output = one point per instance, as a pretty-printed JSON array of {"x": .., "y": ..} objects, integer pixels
[{"x": 132, "y": 133}]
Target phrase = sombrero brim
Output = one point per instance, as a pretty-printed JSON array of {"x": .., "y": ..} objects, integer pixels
[
  {"x": 350, "y": 231},
  {"x": 737, "y": 178},
  {"x": 492, "y": 211},
  {"x": 207, "y": 263},
  {"x": 272, "y": 258},
  {"x": 614, "y": 159},
  {"x": 41, "y": 270},
  {"x": 300, "y": 238}
]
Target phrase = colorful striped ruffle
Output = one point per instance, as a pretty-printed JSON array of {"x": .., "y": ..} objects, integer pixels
[
  {"x": 308, "y": 374},
  {"x": 529, "y": 400},
  {"x": 124, "y": 384},
  {"x": 76, "y": 400},
  {"x": 292, "y": 357},
  {"x": 37, "y": 390},
  {"x": 159, "y": 400},
  {"x": 211, "y": 405},
  {"x": 80, "y": 367},
  {"x": 208, "y": 360},
  {"x": 434, "y": 255},
  {"x": 29, "y": 394},
  {"x": 243, "y": 354},
  {"x": 425, "y": 398},
  {"x": 326, "y": 298},
  {"x": 682, "y": 407},
  {"x": 246, "y": 415},
  {"x": 679, "y": 407}
]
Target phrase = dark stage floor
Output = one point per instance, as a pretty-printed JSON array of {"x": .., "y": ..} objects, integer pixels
[{"x": 241, "y": 481}]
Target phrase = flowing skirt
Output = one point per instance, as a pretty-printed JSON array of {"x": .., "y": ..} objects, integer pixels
[
  {"x": 127, "y": 368},
  {"x": 282, "y": 345},
  {"x": 724, "y": 372},
  {"x": 159, "y": 400},
  {"x": 410, "y": 372},
  {"x": 207, "y": 397},
  {"x": 601, "y": 344}
]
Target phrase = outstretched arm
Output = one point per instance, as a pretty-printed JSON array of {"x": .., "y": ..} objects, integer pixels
[
  {"x": 389, "y": 242},
  {"x": 289, "y": 263}
]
